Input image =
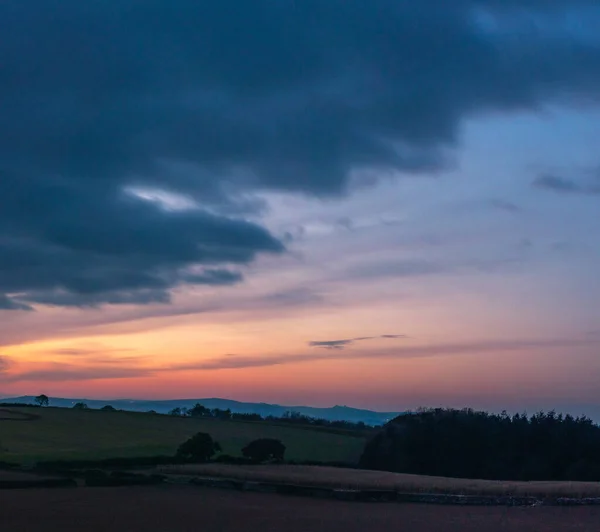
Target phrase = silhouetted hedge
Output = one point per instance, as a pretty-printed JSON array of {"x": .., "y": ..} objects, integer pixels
[{"x": 469, "y": 444}]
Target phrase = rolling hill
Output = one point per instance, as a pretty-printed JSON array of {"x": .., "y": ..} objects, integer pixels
[{"x": 335, "y": 413}]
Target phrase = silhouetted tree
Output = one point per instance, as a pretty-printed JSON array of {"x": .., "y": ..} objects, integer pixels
[
  {"x": 108, "y": 408},
  {"x": 42, "y": 400},
  {"x": 199, "y": 448},
  {"x": 80, "y": 406},
  {"x": 264, "y": 449},
  {"x": 175, "y": 411},
  {"x": 199, "y": 410},
  {"x": 219, "y": 413}
]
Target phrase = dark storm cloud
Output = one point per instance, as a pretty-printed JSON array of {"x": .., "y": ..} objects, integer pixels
[
  {"x": 563, "y": 185},
  {"x": 135, "y": 256},
  {"x": 216, "y": 100},
  {"x": 7, "y": 303}
]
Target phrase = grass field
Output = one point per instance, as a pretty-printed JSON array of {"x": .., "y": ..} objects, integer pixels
[
  {"x": 93, "y": 434},
  {"x": 381, "y": 480}
]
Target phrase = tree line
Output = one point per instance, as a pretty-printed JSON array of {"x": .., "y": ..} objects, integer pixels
[
  {"x": 470, "y": 444},
  {"x": 199, "y": 410},
  {"x": 289, "y": 417}
]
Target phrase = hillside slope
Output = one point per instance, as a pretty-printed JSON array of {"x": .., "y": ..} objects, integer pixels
[{"x": 59, "y": 433}]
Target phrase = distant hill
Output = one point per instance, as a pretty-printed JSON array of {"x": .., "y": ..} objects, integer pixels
[{"x": 335, "y": 413}]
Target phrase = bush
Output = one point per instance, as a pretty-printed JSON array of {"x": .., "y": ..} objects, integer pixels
[
  {"x": 199, "y": 448},
  {"x": 80, "y": 406},
  {"x": 108, "y": 408},
  {"x": 264, "y": 450}
]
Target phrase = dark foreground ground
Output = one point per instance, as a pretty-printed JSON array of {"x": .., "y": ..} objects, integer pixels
[{"x": 175, "y": 509}]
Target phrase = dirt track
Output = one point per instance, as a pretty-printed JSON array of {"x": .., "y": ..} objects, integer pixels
[{"x": 177, "y": 509}]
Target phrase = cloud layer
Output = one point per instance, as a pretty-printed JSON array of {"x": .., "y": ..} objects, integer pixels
[
  {"x": 215, "y": 101},
  {"x": 58, "y": 372},
  {"x": 342, "y": 344}
]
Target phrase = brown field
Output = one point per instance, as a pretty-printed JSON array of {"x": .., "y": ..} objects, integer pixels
[
  {"x": 361, "y": 479},
  {"x": 179, "y": 509}
]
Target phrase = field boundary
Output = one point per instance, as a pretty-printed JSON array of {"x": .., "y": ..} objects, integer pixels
[{"x": 362, "y": 495}]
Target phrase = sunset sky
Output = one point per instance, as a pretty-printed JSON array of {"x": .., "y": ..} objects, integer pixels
[{"x": 384, "y": 204}]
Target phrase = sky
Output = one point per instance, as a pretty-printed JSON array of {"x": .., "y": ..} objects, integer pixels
[{"x": 384, "y": 204}]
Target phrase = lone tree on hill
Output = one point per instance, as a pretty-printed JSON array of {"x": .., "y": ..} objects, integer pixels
[
  {"x": 199, "y": 448},
  {"x": 264, "y": 450},
  {"x": 80, "y": 406},
  {"x": 42, "y": 400}
]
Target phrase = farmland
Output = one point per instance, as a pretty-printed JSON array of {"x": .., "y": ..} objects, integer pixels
[
  {"x": 32, "y": 434},
  {"x": 181, "y": 508},
  {"x": 381, "y": 480}
]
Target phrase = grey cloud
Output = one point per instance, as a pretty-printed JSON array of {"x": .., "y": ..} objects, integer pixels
[
  {"x": 135, "y": 261},
  {"x": 346, "y": 223},
  {"x": 563, "y": 185},
  {"x": 6, "y": 303},
  {"x": 330, "y": 344},
  {"x": 506, "y": 206},
  {"x": 218, "y": 100},
  {"x": 419, "y": 268},
  {"x": 214, "y": 277},
  {"x": 341, "y": 344},
  {"x": 292, "y": 297},
  {"x": 401, "y": 268}
]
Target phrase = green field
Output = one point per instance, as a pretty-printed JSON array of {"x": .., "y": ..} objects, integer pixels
[{"x": 93, "y": 434}]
